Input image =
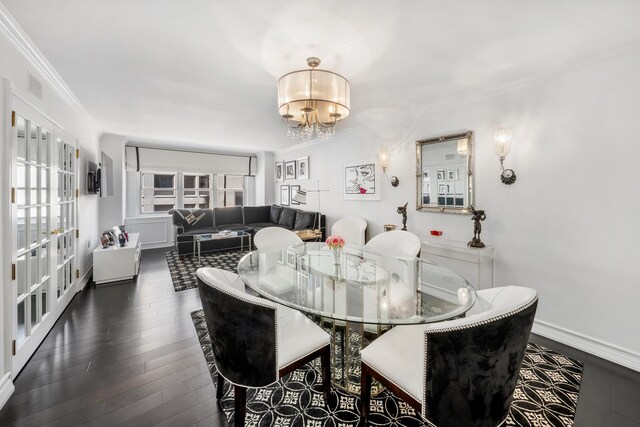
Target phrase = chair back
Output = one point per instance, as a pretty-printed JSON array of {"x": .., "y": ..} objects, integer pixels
[
  {"x": 472, "y": 364},
  {"x": 242, "y": 330},
  {"x": 398, "y": 243},
  {"x": 274, "y": 238},
  {"x": 352, "y": 228}
]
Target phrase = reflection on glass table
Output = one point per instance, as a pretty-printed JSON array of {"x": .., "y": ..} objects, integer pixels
[{"x": 356, "y": 295}]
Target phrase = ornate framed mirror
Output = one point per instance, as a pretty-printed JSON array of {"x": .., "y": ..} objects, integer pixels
[{"x": 444, "y": 173}]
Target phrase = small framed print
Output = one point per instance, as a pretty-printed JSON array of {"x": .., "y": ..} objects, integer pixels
[
  {"x": 440, "y": 174},
  {"x": 279, "y": 172},
  {"x": 290, "y": 170},
  {"x": 285, "y": 195},
  {"x": 280, "y": 256},
  {"x": 303, "y": 168},
  {"x": 294, "y": 189},
  {"x": 291, "y": 258},
  {"x": 442, "y": 188},
  {"x": 452, "y": 174},
  {"x": 303, "y": 266}
]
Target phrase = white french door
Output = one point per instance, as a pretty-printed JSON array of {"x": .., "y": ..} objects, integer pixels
[{"x": 42, "y": 223}]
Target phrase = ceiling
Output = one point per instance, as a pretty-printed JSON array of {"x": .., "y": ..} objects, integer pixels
[{"x": 203, "y": 73}]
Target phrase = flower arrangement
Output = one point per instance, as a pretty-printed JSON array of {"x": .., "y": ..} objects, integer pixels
[{"x": 335, "y": 242}]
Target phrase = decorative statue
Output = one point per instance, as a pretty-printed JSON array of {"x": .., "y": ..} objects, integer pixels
[
  {"x": 403, "y": 211},
  {"x": 477, "y": 216}
]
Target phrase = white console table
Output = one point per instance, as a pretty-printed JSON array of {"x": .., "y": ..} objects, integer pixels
[
  {"x": 474, "y": 264},
  {"x": 117, "y": 263}
]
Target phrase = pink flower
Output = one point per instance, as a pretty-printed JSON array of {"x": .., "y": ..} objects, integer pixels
[
  {"x": 335, "y": 242},
  {"x": 363, "y": 190}
]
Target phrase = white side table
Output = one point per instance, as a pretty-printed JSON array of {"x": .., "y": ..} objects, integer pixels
[
  {"x": 474, "y": 264},
  {"x": 117, "y": 263}
]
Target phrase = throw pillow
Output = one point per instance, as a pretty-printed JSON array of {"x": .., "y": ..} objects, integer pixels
[{"x": 288, "y": 218}]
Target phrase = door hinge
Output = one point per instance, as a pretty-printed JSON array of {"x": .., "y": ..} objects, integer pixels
[
  {"x": 77, "y": 153},
  {"x": 13, "y": 347},
  {"x": 13, "y": 119},
  {"x": 13, "y": 272},
  {"x": 77, "y": 234},
  {"x": 13, "y": 194},
  {"x": 77, "y": 274},
  {"x": 77, "y": 193}
]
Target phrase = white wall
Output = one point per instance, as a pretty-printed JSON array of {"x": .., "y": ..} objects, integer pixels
[
  {"x": 568, "y": 227},
  {"x": 113, "y": 208},
  {"x": 75, "y": 121}
]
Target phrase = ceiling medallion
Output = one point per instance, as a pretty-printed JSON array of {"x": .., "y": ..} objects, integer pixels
[{"x": 312, "y": 101}]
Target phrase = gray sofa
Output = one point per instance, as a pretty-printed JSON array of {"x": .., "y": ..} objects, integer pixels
[{"x": 190, "y": 222}]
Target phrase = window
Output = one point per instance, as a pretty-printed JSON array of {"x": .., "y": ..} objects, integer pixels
[
  {"x": 197, "y": 191},
  {"x": 159, "y": 192},
  {"x": 230, "y": 190}
]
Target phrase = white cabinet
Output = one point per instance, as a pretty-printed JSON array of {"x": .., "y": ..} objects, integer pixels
[
  {"x": 117, "y": 263},
  {"x": 474, "y": 264}
]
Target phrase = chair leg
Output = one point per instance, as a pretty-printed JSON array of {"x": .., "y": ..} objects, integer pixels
[
  {"x": 365, "y": 394},
  {"x": 240, "y": 404},
  {"x": 325, "y": 362},
  {"x": 220, "y": 388}
]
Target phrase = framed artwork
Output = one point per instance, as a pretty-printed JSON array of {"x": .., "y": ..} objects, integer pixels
[
  {"x": 280, "y": 256},
  {"x": 291, "y": 258},
  {"x": 290, "y": 170},
  {"x": 303, "y": 264},
  {"x": 360, "y": 180},
  {"x": 294, "y": 188},
  {"x": 279, "y": 172},
  {"x": 441, "y": 188},
  {"x": 303, "y": 168},
  {"x": 285, "y": 195},
  {"x": 440, "y": 174},
  {"x": 452, "y": 174}
]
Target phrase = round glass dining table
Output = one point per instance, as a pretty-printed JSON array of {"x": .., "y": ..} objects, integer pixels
[{"x": 355, "y": 295}]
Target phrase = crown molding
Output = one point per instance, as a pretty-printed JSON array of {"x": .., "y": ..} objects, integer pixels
[{"x": 12, "y": 31}]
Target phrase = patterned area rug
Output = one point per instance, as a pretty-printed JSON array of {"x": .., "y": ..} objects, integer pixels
[
  {"x": 183, "y": 273},
  {"x": 546, "y": 395}
]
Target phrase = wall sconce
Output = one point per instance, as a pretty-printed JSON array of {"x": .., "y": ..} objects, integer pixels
[
  {"x": 502, "y": 145},
  {"x": 383, "y": 164}
]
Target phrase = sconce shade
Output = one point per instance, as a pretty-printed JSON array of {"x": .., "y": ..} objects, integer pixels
[
  {"x": 502, "y": 140},
  {"x": 383, "y": 160},
  {"x": 300, "y": 197}
]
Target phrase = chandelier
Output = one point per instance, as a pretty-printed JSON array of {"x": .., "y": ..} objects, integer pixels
[{"x": 313, "y": 101}]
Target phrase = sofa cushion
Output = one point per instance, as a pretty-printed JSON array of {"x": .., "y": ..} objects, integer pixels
[
  {"x": 305, "y": 220},
  {"x": 260, "y": 225},
  {"x": 288, "y": 218},
  {"x": 232, "y": 227},
  {"x": 275, "y": 213},
  {"x": 228, "y": 215},
  {"x": 256, "y": 214},
  {"x": 192, "y": 218}
]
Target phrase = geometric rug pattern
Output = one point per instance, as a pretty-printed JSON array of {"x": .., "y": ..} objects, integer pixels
[
  {"x": 546, "y": 395},
  {"x": 183, "y": 273}
]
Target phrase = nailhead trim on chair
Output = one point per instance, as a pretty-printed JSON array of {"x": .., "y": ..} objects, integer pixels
[
  {"x": 272, "y": 306},
  {"x": 460, "y": 328}
]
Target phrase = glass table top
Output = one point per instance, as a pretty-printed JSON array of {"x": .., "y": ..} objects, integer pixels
[{"x": 357, "y": 286}]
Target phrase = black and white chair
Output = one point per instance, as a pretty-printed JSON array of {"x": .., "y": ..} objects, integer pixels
[
  {"x": 460, "y": 372},
  {"x": 352, "y": 228},
  {"x": 255, "y": 341}
]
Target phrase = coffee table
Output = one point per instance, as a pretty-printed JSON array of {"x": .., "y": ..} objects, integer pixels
[{"x": 199, "y": 238}]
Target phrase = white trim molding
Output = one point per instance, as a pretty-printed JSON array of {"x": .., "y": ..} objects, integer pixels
[
  {"x": 6, "y": 389},
  {"x": 613, "y": 353},
  {"x": 12, "y": 31}
]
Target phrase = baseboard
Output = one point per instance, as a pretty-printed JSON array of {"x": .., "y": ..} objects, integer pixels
[
  {"x": 6, "y": 389},
  {"x": 85, "y": 279},
  {"x": 603, "y": 349},
  {"x": 157, "y": 245}
]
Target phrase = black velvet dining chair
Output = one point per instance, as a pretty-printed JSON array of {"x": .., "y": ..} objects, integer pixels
[
  {"x": 255, "y": 341},
  {"x": 461, "y": 372}
]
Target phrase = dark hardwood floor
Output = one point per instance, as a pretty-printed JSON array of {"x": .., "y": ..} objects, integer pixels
[{"x": 128, "y": 354}]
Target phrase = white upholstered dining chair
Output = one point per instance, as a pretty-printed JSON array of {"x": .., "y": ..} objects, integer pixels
[
  {"x": 255, "y": 341},
  {"x": 275, "y": 237},
  {"x": 461, "y": 372},
  {"x": 394, "y": 243},
  {"x": 352, "y": 229}
]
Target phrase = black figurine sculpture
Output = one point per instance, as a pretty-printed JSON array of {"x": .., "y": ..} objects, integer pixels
[
  {"x": 477, "y": 216},
  {"x": 403, "y": 211}
]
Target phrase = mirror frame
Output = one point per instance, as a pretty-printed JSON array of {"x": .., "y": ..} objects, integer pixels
[{"x": 435, "y": 140}]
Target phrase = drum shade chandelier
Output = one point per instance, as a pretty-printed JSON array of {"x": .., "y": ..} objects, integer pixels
[{"x": 312, "y": 101}]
